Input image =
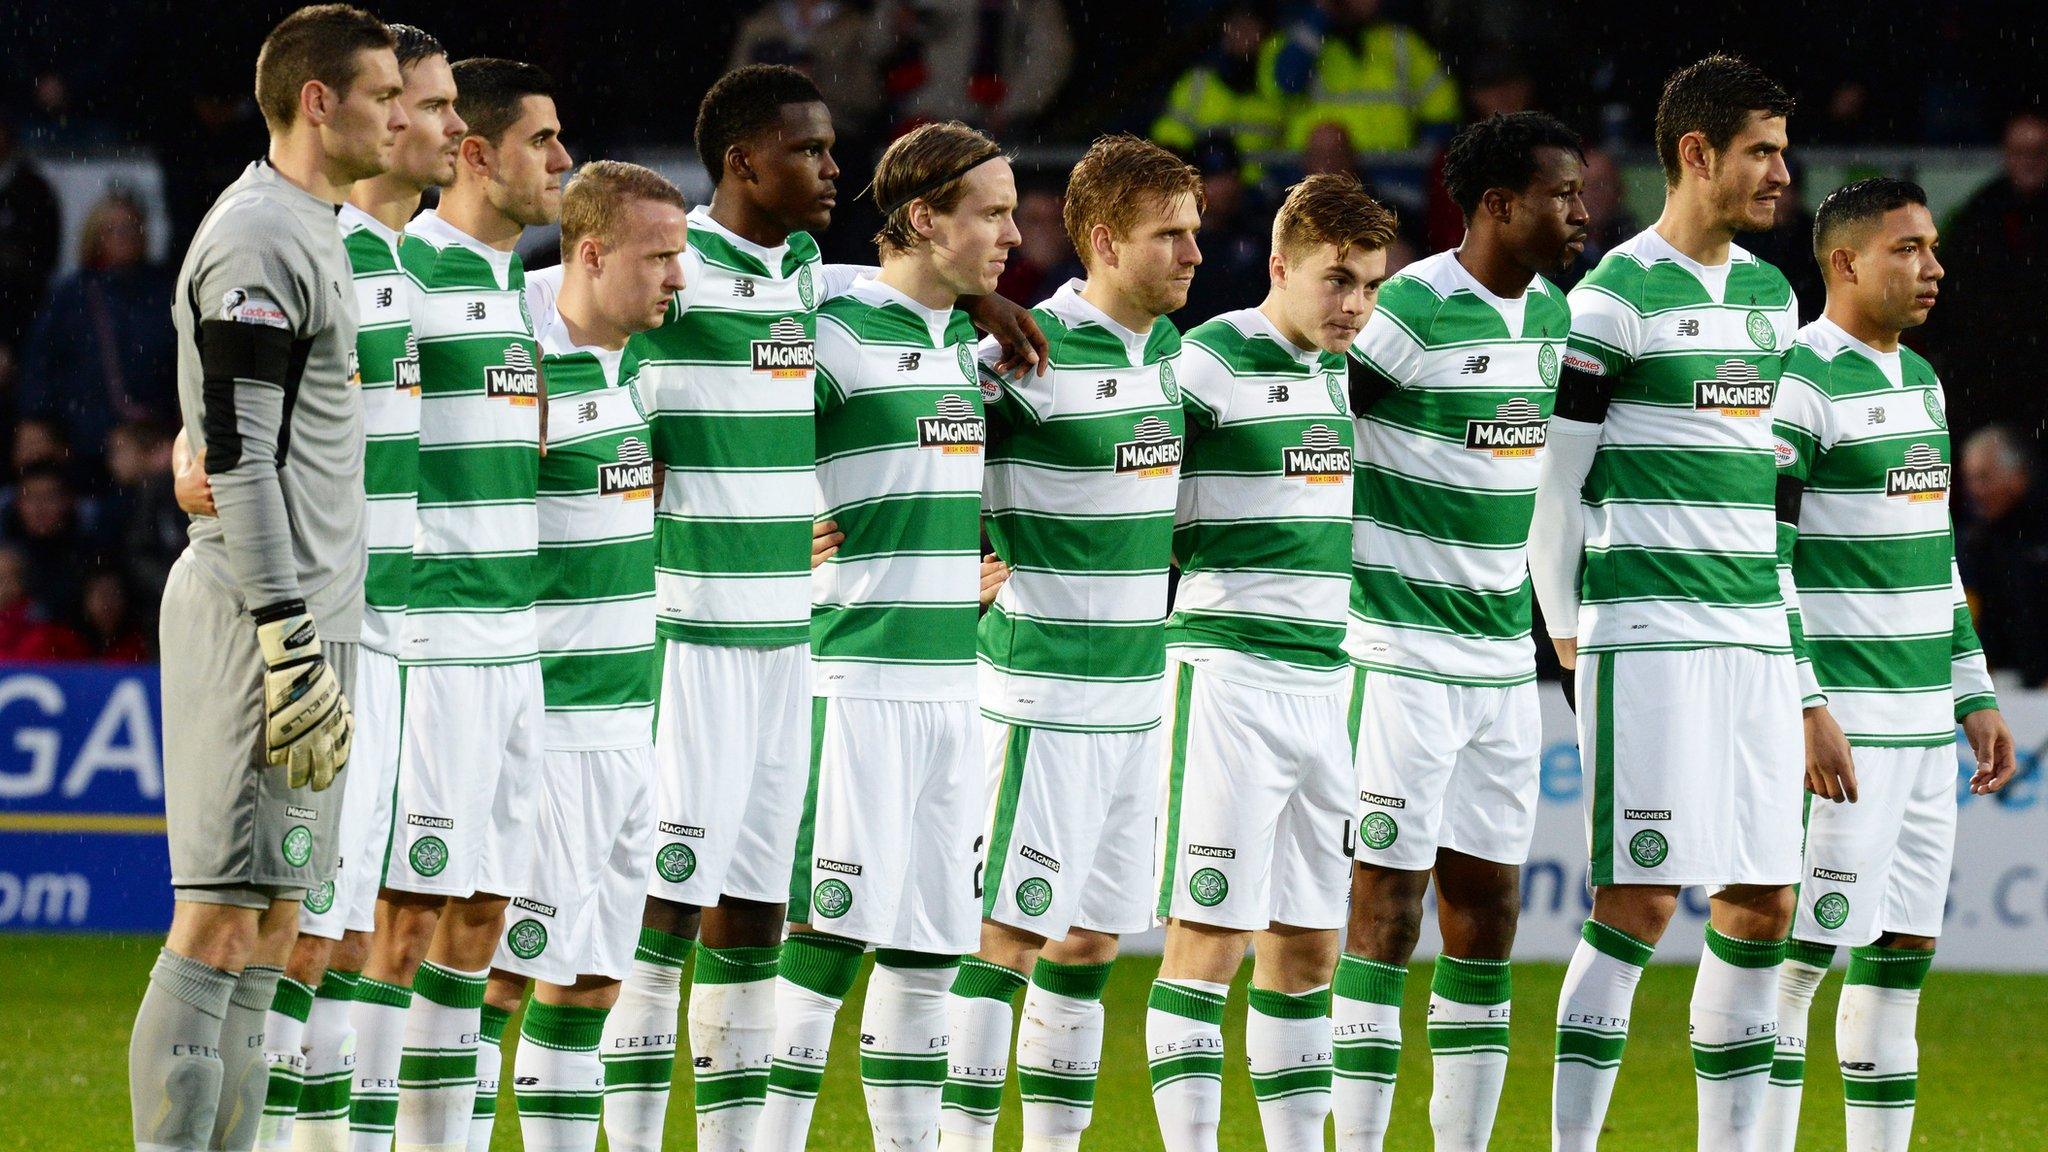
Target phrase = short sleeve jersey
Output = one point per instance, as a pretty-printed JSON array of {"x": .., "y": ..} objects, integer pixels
[
  {"x": 1680, "y": 503},
  {"x": 479, "y": 466},
  {"x": 1880, "y": 619},
  {"x": 728, "y": 384},
  {"x": 390, "y": 364},
  {"x": 1447, "y": 475},
  {"x": 1083, "y": 475},
  {"x": 901, "y": 434},
  {"x": 595, "y": 593},
  {"x": 1263, "y": 524}
]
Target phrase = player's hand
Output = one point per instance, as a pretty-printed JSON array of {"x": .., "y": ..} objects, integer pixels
[
  {"x": 1992, "y": 741},
  {"x": 993, "y": 574},
  {"x": 1567, "y": 651},
  {"x": 307, "y": 723},
  {"x": 1013, "y": 327},
  {"x": 1830, "y": 773},
  {"x": 825, "y": 541},
  {"x": 189, "y": 481}
]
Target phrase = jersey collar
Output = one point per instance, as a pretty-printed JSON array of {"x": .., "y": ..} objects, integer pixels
[
  {"x": 770, "y": 258},
  {"x": 353, "y": 217},
  {"x": 429, "y": 226},
  {"x": 1713, "y": 276},
  {"x": 869, "y": 290},
  {"x": 1890, "y": 363},
  {"x": 1070, "y": 305},
  {"x": 1255, "y": 322},
  {"x": 556, "y": 341}
]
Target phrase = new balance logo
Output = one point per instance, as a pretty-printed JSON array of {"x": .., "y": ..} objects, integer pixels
[
  {"x": 1475, "y": 365},
  {"x": 586, "y": 411},
  {"x": 1877, "y": 415},
  {"x": 383, "y": 297},
  {"x": 1105, "y": 389},
  {"x": 1277, "y": 394},
  {"x": 1688, "y": 327},
  {"x": 474, "y": 310},
  {"x": 909, "y": 361},
  {"x": 743, "y": 287}
]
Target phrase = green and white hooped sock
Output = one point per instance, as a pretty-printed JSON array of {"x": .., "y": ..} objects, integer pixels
[
  {"x": 557, "y": 1078},
  {"x": 1880, "y": 1053},
  {"x": 1469, "y": 1006},
  {"x": 812, "y": 980},
  {"x": 490, "y": 1069},
  {"x": 1799, "y": 978},
  {"x": 378, "y": 1015},
  {"x": 1734, "y": 1036},
  {"x": 903, "y": 1045},
  {"x": 330, "y": 1066},
  {"x": 284, "y": 1031},
  {"x": 437, "y": 1072},
  {"x": 1592, "y": 1030},
  {"x": 1365, "y": 1031},
  {"x": 638, "y": 1045},
  {"x": 1287, "y": 1043},
  {"x": 732, "y": 1039},
  {"x": 1184, "y": 1051},
  {"x": 979, "y": 1013},
  {"x": 1059, "y": 1052}
]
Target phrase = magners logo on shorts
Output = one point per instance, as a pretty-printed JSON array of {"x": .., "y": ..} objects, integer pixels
[
  {"x": 1320, "y": 459},
  {"x": 1517, "y": 429},
  {"x": 787, "y": 354},
  {"x": 516, "y": 379},
  {"x": 1921, "y": 479},
  {"x": 1153, "y": 449},
  {"x": 956, "y": 430},
  {"x": 1735, "y": 391},
  {"x": 632, "y": 477}
]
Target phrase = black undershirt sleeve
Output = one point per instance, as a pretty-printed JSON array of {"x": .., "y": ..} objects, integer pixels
[
  {"x": 1368, "y": 386},
  {"x": 1583, "y": 396},
  {"x": 1790, "y": 490}
]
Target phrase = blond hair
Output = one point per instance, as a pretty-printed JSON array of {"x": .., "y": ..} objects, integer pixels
[
  {"x": 926, "y": 163},
  {"x": 1331, "y": 208},
  {"x": 594, "y": 202},
  {"x": 1119, "y": 182}
]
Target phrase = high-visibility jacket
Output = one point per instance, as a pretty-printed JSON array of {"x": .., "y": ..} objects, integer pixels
[
  {"x": 1383, "y": 86},
  {"x": 1202, "y": 103}
]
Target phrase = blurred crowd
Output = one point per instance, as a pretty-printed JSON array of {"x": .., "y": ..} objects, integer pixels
[{"x": 1255, "y": 94}]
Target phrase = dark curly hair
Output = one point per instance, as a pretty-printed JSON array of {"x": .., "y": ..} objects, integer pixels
[{"x": 1500, "y": 152}]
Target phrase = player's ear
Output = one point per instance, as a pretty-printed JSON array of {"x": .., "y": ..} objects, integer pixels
[
  {"x": 920, "y": 217},
  {"x": 1102, "y": 243},
  {"x": 316, "y": 102},
  {"x": 476, "y": 154},
  {"x": 738, "y": 162},
  {"x": 1276, "y": 268},
  {"x": 1842, "y": 262},
  {"x": 1498, "y": 203},
  {"x": 1695, "y": 155}
]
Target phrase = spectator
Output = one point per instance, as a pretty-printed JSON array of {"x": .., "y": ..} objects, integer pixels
[
  {"x": 1379, "y": 80},
  {"x": 1236, "y": 236},
  {"x": 1788, "y": 247},
  {"x": 138, "y": 521},
  {"x": 1986, "y": 337},
  {"x": 43, "y": 524},
  {"x": 103, "y": 352},
  {"x": 107, "y": 622},
  {"x": 26, "y": 630},
  {"x": 29, "y": 230},
  {"x": 1497, "y": 86},
  {"x": 2002, "y": 550},
  {"x": 35, "y": 443},
  {"x": 1045, "y": 260},
  {"x": 831, "y": 42},
  {"x": 996, "y": 64},
  {"x": 1221, "y": 95}
]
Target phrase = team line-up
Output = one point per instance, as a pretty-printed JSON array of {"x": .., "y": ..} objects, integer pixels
[{"x": 645, "y": 602}]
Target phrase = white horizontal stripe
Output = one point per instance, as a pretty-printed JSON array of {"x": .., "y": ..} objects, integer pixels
[
  {"x": 1649, "y": 622},
  {"x": 453, "y": 421},
  {"x": 671, "y": 389},
  {"x": 1436, "y": 461},
  {"x": 946, "y": 580},
  {"x": 1883, "y": 614},
  {"x": 1213, "y": 498},
  {"x": 1066, "y": 597},
  {"x": 1294, "y": 598},
  {"x": 1027, "y": 488},
  {"x": 444, "y": 315},
  {"x": 739, "y": 495},
  {"x": 1893, "y": 713},
  {"x": 1432, "y": 562},
  {"x": 389, "y": 523},
  {"x": 1869, "y": 514},
  {"x": 490, "y": 529},
  {"x": 899, "y": 472},
  {"x": 629, "y": 727},
  {"x": 390, "y": 412},
  {"x": 607, "y": 627},
  {"x": 1689, "y": 527},
  {"x": 1438, "y": 654},
  {"x": 477, "y": 637},
  {"x": 730, "y": 600},
  {"x": 590, "y": 516}
]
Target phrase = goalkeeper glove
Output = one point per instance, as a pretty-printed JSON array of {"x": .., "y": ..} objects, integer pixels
[{"x": 307, "y": 724}]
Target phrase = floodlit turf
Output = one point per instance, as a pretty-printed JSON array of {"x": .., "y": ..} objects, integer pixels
[{"x": 66, "y": 1004}]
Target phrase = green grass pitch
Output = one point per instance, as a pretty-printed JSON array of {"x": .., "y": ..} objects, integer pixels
[{"x": 66, "y": 1004}]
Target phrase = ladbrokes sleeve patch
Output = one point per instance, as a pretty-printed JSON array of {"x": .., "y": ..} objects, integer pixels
[
  {"x": 1584, "y": 362},
  {"x": 251, "y": 306}
]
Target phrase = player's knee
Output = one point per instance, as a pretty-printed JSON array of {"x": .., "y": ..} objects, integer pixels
[
  {"x": 1754, "y": 912},
  {"x": 670, "y": 917},
  {"x": 217, "y": 935},
  {"x": 1081, "y": 946},
  {"x": 505, "y": 990},
  {"x": 351, "y": 952},
  {"x": 1386, "y": 913},
  {"x": 310, "y": 958},
  {"x": 1639, "y": 910}
]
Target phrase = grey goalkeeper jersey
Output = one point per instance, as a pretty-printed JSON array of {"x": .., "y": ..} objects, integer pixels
[{"x": 282, "y": 427}]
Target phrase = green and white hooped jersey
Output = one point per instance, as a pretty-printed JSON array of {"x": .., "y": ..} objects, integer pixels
[
  {"x": 595, "y": 595},
  {"x": 901, "y": 434},
  {"x": 728, "y": 383},
  {"x": 479, "y": 464},
  {"x": 1083, "y": 474},
  {"x": 1447, "y": 475},
  {"x": 1879, "y": 622},
  {"x": 390, "y": 365},
  {"x": 1681, "y": 502},
  {"x": 1263, "y": 526}
]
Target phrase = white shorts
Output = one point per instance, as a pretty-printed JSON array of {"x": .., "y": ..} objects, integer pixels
[
  {"x": 580, "y": 914},
  {"x": 1073, "y": 820},
  {"x": 885, "y": 853},
  {"x": 1445, "y": 766},
  {"x": 469, "y": 773},
  {"x": 1694, "y": 763},
  {"x": 730, "y": 757},
  {"x": 1881, "y": 864},
  {"x": 1256, "y": 795},
  {"x": 349, "y": 901}
]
